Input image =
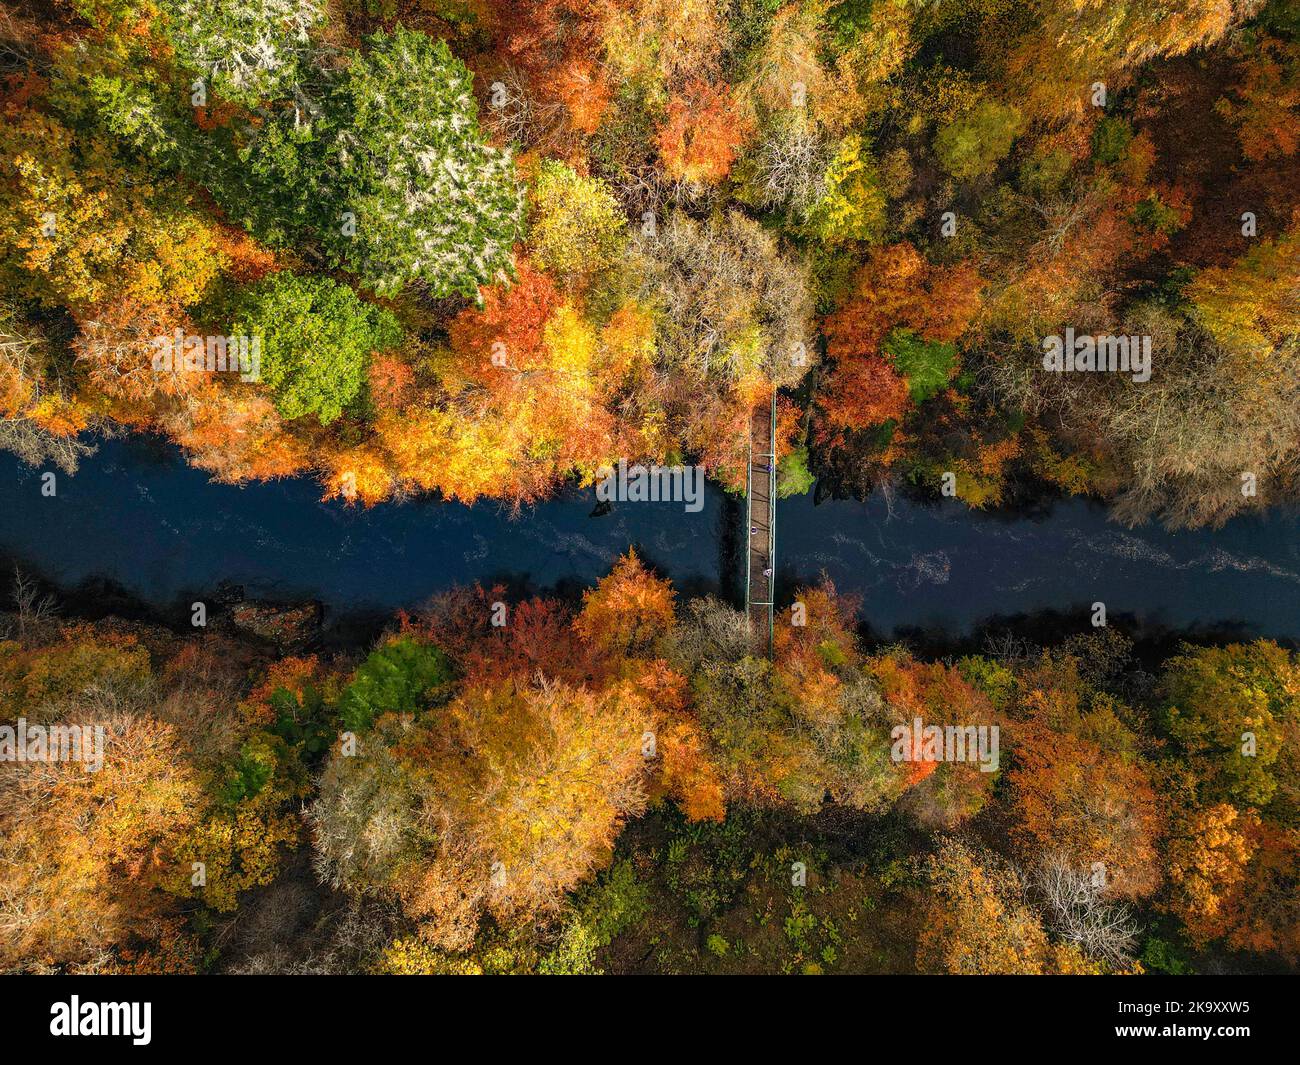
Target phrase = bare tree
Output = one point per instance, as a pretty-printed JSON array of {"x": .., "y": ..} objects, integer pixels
[
  {"x": 18, "y": 37},
  {"x": 733, "y": 301},
  {"x": 511, "y": 113},
  {"x": 1076, "y": 909},
  {"x": 792, "y": 164},
  {"x": 711, "y": 631},
  {"x": 1005, "y": 646},
  {"x": 33, "y": 609},
  {"x": 37, "y": 446}
]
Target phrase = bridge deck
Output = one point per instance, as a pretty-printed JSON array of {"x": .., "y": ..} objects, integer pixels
[{"x": 761, "y": 525}]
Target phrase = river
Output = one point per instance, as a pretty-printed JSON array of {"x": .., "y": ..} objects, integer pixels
[{"x": 137, "y": 516}]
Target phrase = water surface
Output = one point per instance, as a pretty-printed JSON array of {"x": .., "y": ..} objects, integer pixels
[{"x": 137, "y": 515}]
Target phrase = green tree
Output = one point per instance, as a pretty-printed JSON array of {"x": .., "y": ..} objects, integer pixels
[
  {"x": 248, "y": 49},
  {"x": 111, "y": 87},
  {"x": 972, "y": 145},
  {"x": 793, "y": 478},
  {"x": 925, "y": 366},
  {"x": 401, "y": 185},
  {"x": 1110, "y": 139},
  {"x": 394, "y": 679},
  {"x": 316, "y": 340}
]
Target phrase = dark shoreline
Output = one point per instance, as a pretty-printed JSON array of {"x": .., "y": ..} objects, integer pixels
[{"x": 356, "y": 631}]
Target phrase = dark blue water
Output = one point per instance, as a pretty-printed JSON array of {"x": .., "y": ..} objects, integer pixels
[{"x": 138, "y": 516}]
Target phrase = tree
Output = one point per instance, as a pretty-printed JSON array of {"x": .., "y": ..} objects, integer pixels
[
  {"x": 939, "y": 794},
  {"x": 1262, "y": 104},
  {"x": 852, "y": 204},
  {"x": 508, "y": 323},
  {"x": 526, "y": 784},
  {"x": 237, "y": 435},
  {"x": 96, "y": 888},
  {"x": 111, "y": 86},
  {"x": 895, "y": 288},
  {"x": 529, "y": 389},
  {"x": 840, "y": 56},
  {"x": 1079, "y": 787},
  {"x": 730, "y": 303},
  {"x": 402, "y": 676},
  {"x": 241, "y": 841},
  {"x": 1253, "y": 307},
  {"x": 810, "y": 725},
  {"x": 1228, "y": 708},
  {"x": 865, "y": 392},
  {"x": 249, "y": 49},
  {"x": 1077, "y": 911},
  {"x": 1207, "y": 855},
  {"x": 400, "y": 186},
  {"x": 1261, "y": 913},
  {"x": 577, "y": 224},
  {"x": 316, "y": 339},
  {"x": 622, "y": 626},
  {"x": 1210, "y": 412},
  {"x": 976, "y": 923},
  {"x": 701, "y": 135},
  {"x": 787, "y": 168},
  {"x": 80, "y": 228},
  {"x": 1072, "y": 43},
  {"x": 972, "y": 145},
  {"x": 39, "y": 417},
  {"x": 627, "y": 612},
  {"x": 926, "y": 367}
]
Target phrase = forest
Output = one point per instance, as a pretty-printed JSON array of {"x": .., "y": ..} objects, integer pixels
[
  {"x": 487, "y": 248},
  {"x": 621, "y": 785},
  {"x": 481, "y": 250}
]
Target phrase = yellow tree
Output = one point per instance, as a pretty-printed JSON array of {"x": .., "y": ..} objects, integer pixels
[
  {"x": 79, "y": 229},
  {"x": 976, "y": 922},
  {"x": 500, "y": 803},
  {"x": 1208, "y": 852},
  {"x": 1253, "y": 306},
  {"x": 84, "y": 848},
  {"x": 1074, "y": 43}
]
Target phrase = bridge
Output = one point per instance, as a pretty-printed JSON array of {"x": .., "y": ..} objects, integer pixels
[{"x": 760, "y": 525}]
